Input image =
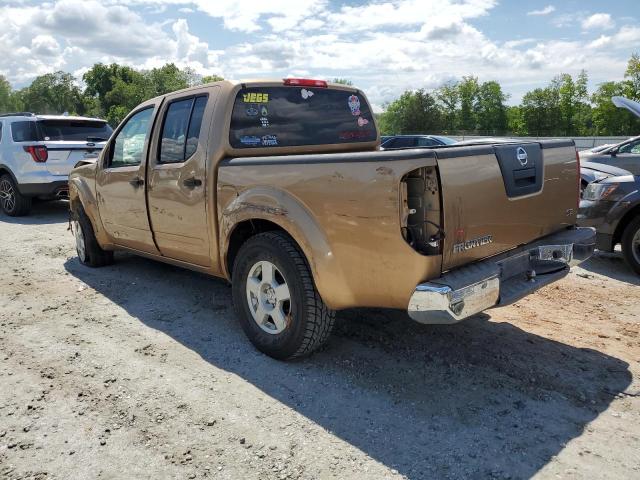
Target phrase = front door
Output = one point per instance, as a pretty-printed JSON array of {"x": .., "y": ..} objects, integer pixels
[
  {"x": 177, "y": 176},
  {"x": 120, "y": 183}
]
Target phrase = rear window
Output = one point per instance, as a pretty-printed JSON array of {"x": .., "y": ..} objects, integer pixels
[
  {"x": 181, "y": 129},
  {"x": 75, "y": 130},
  {"x": 295, "y": 116},
  {"x": 25, "y": 131}
]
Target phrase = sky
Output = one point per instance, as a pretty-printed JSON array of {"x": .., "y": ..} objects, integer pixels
[{"x": 384, "y": 46}]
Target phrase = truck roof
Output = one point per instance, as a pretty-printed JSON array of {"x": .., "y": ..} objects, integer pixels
[{"x": 253, "y": 82}]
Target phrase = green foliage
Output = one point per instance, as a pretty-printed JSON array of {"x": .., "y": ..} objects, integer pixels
[
  {"x": 211, "y": 79},
  {"x": 10, "y": 101},
  {"x": 562, "y": 108},
  {"x": 490, "y": 110},
  {"x": 515, "y": 121},
  {"x": 448, "y": 96},
  {"x": 632, "y": 76},
  {"x": 413, "y": 112},
  {"x": 607, "y": 118},
  {"x": 53, "y": 93}
]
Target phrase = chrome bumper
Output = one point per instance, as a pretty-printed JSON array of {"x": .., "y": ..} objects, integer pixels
[{"x": 500, "y": 280}]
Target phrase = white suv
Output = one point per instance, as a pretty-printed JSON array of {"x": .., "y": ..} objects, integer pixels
[{"x": 37, "y": 152}]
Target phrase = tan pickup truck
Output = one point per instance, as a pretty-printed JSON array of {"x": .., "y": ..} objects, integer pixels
[{"x": 280, "y": 188}]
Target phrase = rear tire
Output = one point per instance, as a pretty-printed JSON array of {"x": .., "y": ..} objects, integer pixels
[
  {"x": 631, "y": 244},
  {"x": 12, "y": 202},
  {"x": 275, "y": 298},
  {"x": 89, "y": 251}
]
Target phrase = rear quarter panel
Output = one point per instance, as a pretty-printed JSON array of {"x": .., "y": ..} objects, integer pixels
[{"x": 344, "y": 215}]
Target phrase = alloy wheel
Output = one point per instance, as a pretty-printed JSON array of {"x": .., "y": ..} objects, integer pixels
[
  {"x": 7, "y": 195},
  {"x": 268, "y": 297},
  {"x": 80, "y": 245}
]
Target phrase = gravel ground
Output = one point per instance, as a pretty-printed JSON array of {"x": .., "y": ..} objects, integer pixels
[{"x": 139, "y": 370}]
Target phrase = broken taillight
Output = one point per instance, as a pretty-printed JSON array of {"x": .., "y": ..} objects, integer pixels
[{"x": 38, "y": 153}]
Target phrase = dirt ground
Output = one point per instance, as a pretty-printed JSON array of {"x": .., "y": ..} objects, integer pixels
[{"x": 139, "y": 370}]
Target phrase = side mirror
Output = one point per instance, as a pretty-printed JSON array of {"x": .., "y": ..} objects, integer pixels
[{"x": 613, "y": 152}]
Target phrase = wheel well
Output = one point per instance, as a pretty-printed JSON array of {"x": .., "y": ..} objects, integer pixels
[
  {"x": 4, "y": 170},
  {"x": 622, "y": 224},
  {"x": 242, "y": 232}
]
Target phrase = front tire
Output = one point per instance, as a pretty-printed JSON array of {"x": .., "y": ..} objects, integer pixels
[
  {"x": 87, "y": 248},
  {"x": 631, "y": 244},
  {"x": 12, "y": 202},
  {"x": 275, "y": 298}
]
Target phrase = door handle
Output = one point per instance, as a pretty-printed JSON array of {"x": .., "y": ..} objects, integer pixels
[
  {"x": 192, "y": 182},
  {"x": 136, "y": 182}
]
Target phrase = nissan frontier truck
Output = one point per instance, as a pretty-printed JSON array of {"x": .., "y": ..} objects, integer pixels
[{"x": 280, "y": 188}]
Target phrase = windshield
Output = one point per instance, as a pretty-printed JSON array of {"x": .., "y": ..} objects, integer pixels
[
  {"x": 295, "y": 116},
  {"x": 445, "y": 140},
  {"x": 75, "y": 130}
]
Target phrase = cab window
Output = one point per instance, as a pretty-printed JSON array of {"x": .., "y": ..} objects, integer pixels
[
  {"x": 128, "y": 146},
  {"x": 181, "y": 129},
  {"x": 291, "y": 116}
]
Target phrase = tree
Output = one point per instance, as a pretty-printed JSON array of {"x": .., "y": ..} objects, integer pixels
[
  {"x": 632, "y": 75},
  {"x": 102, "y": 79},
  {"x": 448, "y": 96},
  {"x": 165, "y": 79},
  {"x": 491, "y": 112},
  {"x": 515, "y": 121},
  {"x": 414, "y": 112},
  {"x": 343, "y": 81},
  {"x": 468, "y": 90},
  {"x": 211, "y": 79},
  {"x": 9, "y": 99},
  {"x": 609, "y": 119},
  {"x": 54, "y": 93}
]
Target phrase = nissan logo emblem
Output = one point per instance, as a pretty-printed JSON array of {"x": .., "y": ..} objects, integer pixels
[{"x": 521, "y": 155}]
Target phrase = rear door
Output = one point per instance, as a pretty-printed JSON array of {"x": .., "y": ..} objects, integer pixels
[
  {"x": 120, "y": 182},
  {"x": 498, "y": 197},
  {"x": 177, "y": 177},
  {"x": 70, "y": 140}
]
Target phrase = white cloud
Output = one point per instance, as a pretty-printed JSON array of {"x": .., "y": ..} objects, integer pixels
[
  {"x": 544, "y": 11},
  {"x": 383, "y": 46},
  {"x": 602, "y": 21}
]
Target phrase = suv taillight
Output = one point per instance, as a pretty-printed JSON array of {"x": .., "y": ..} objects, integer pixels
[{"x": 38, "y": 153}]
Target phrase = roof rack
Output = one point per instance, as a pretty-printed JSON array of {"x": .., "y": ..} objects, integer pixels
[{"x": 18, "y": 114}]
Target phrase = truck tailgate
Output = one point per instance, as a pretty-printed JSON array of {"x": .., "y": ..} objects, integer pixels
[{"x": 497, "y": 197}]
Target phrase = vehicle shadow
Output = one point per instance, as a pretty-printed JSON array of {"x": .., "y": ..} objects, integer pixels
[
  {"x": 611, "y": 265},
  {"x": 42, "y": 213},
  {"x": 479, "y": 399}
]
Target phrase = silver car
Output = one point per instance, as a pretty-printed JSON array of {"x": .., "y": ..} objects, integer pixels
[{"x": 37, "y": 152}]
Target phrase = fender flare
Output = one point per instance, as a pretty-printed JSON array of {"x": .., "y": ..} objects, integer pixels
[
  {"x": 80, "y": 192},
  {"x": 290, "y": 214}
]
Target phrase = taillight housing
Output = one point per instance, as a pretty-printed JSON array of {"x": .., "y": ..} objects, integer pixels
[
  {"x": 305, "y": 82},
  {"x": 38, "y": 153}
]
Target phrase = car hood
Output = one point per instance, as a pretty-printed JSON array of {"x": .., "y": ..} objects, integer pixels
[
  {"x": 601, "y": 167},
  {"x": 622, "y": 102}
]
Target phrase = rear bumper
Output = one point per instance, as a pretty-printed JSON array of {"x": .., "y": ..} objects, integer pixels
[
  {"x": 502, "y": 279},
  {"x": 56, "y": 189}
]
